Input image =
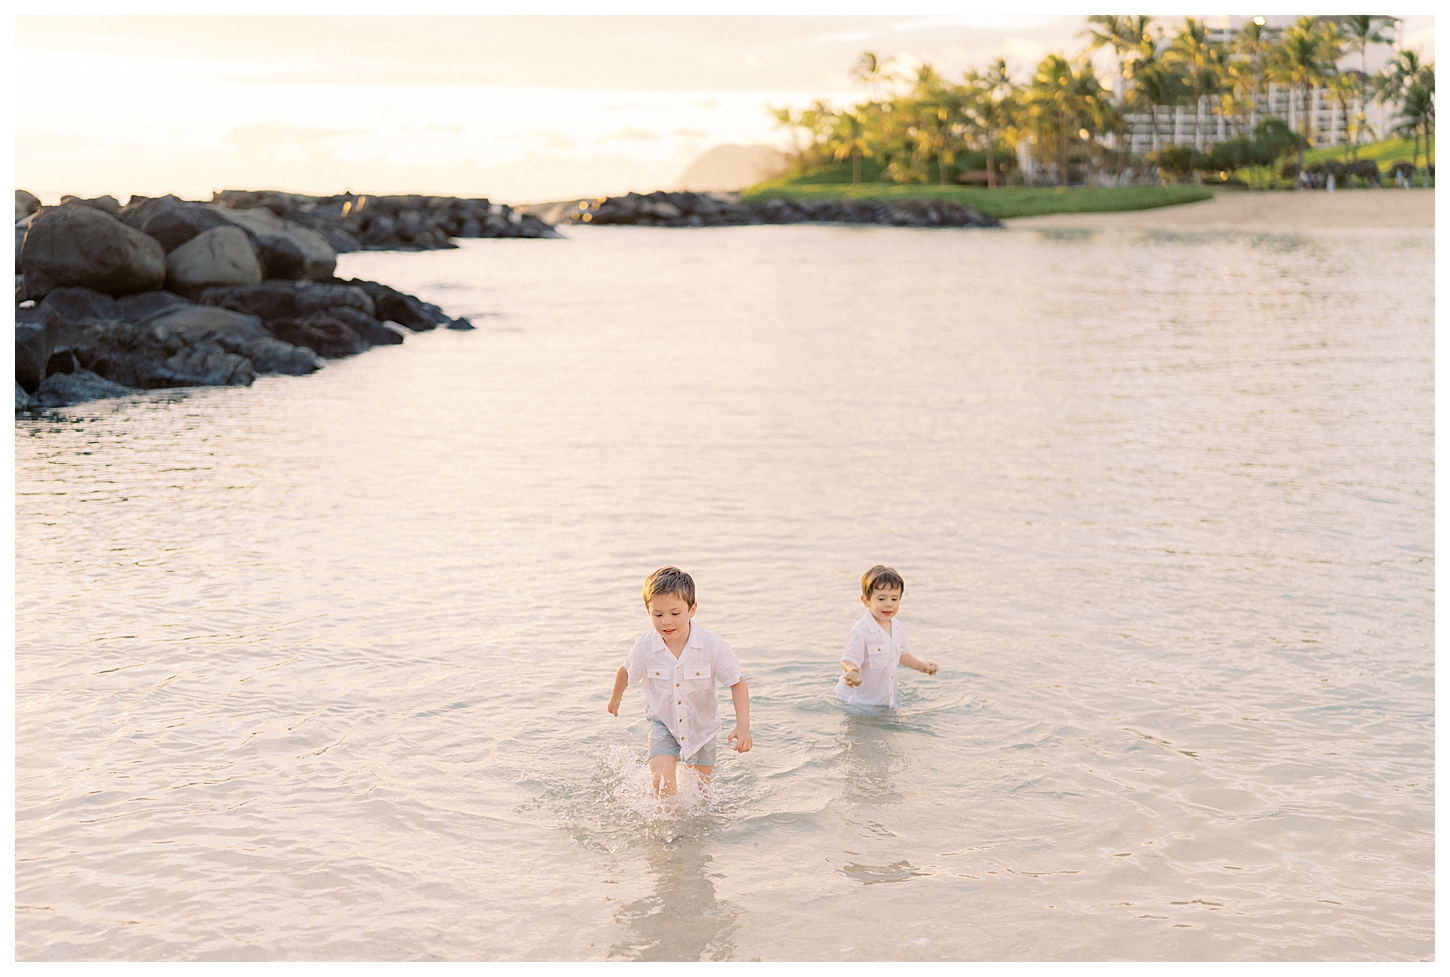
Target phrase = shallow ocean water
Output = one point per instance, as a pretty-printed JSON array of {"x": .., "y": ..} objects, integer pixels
[{"x": 318, "y": 669}]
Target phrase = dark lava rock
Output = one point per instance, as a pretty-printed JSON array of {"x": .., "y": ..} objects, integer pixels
[
  {"x": 282, "y": 257},
  {"x": 34, "y": 342},
  {"x": 325, "y": 334},
  {"x": 367, "y": 328},
  {"x": 143, "y": 305},
  {"x": 146, "y": 356},
  {"x": 236, "y": 333},
  {"x": 683, "y": 209},
  {"x": 77, "y": 387}
]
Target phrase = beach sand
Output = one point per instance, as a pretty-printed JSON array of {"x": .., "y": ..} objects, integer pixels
[{"x": 1265, "y": 211}]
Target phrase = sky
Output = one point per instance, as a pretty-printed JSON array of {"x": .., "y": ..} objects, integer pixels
[{"x": 515, "y": 108}]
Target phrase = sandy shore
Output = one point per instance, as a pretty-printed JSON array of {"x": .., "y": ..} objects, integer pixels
[{"x": 1265, "y": 211}]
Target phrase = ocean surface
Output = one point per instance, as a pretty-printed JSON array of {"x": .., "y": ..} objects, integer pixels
[{"x": 318, "y": 669}]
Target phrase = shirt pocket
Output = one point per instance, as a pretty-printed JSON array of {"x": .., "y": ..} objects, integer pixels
[
  {"x": 877, "y": 654},
  {"x": 697, "y": 684}
]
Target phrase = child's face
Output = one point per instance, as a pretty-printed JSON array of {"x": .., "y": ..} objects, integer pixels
[
  {"x": 883, "y": 602},
  {"x": 670, "y": 615}
]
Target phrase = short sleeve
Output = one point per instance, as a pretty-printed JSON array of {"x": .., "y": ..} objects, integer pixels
[
  {"x": 855, "y": 651},
  {"x": 727, "y": 666},
  {"x": 634, "y": 664}
]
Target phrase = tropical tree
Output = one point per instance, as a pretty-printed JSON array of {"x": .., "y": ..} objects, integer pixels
[
  {"x": 1417, "y": 114},
  {"x": 1155, "y": 84},
  {"x": 1200, "y": 63},
  {"x": 1359, "y": 32},
  {"x": 991, "y": 108},
  {"x": 1304, "y": 59}
]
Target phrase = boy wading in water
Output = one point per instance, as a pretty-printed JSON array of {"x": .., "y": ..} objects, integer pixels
[
  {"x": 877, "y": 644},
  {"x": 679, "y": 664}
]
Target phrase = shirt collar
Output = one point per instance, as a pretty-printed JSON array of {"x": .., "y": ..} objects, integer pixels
[
  {"x": 870, "y": 620},
  {"x": 696, "y": 640}
]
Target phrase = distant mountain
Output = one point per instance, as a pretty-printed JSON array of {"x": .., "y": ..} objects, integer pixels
[{"x": 732, "y": 168}]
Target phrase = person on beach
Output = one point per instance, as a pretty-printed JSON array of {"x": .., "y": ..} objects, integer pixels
[
  {"x": 679, "y": 663},
  {"x": 877, "y": 644}
]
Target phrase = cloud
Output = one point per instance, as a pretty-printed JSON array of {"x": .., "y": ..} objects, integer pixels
[{"x": 634, "y": 134}]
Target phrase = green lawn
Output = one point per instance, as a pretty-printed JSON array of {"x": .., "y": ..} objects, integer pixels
[
  {"x": 1386, "y": 152},
  {"x": 998, "y": 202}
]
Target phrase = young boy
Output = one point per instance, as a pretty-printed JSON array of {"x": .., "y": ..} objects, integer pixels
[
  {"x": 679, "y": 664},
  {"x": 877, "y": 643}
]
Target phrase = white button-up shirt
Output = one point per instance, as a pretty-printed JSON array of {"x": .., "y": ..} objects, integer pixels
[
  {"x": 680, "y": 692},
  {"x": 870, "y": 648}
]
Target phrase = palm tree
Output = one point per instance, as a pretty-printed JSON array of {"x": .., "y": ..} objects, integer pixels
[
  {"x": 1253, "y": 43},
  {"x": 1131, "y": 41},
  {"x": 1305, "y": 58},
  {"x": 1359, "y": 32},
  {"x": 1154, "y": 84},
  {"x": 1201, "y": 62},
  {"x": 1417, "y": 114},
  {"x": 991, "y": 106}
]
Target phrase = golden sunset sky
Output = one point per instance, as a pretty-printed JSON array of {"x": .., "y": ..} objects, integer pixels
[{"x": 516, "y": 108}]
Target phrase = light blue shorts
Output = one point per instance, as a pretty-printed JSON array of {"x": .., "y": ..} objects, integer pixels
[{"x": 662, "y": 742}]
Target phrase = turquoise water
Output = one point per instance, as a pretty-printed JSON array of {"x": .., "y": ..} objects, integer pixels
[{"x": 318, "y": 669}]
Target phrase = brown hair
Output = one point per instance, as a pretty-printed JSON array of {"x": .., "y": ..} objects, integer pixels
[
  {"x": 878, "y": 577},
  {"x": 669, "y": 580}
]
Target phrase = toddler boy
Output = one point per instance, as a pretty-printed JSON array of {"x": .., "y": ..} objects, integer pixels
[
  {"x": 679, "y": 664},
  {"x": 877, "y": 643}
]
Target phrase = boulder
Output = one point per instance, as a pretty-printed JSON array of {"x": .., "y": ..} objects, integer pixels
[
  {"x": 340, "y": 240},
  {"x": 22, "y": 399},
  {"x": 322, "y": 332},
  {"x": 144, "y": 305},
  {"x": 462, "y": 325},
  {"x": 20, "y": 295},
  {"x": 368, "y": 329},
  {"x": 235, "y": 333},
  {"x": 282, "y": 257},
  {"x": 391, "y": 305},
  {"x": 21, "y": 226},
  {"x": 107, "y": 204},
  {"x": 76, "y": 309},
  {"x": 34, "y": 342},
  {"x": 78, "y": 387},
  {"x": 219, "y": 257},
  {"x": 321, "y": 259},
  {"x": 26, "y": 203},
  {"x": 78, "y": 245},
  {"x": 171, "y": 221},
  {"x": 314, "y": 296},
  {"x": 61, "y": 361},
  {"x": 147, "y": 356},
  {"x": 289, "y": 300}
]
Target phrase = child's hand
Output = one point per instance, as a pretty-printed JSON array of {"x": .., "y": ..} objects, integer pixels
[
  {"x": 743, "y": 735},
  {"x": 613, "y": 707},
  {"x": 853, "y": 677},
  {"x": 929, "y": 668}
]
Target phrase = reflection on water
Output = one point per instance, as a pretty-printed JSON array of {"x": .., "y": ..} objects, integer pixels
[
  {"x": 681, "y": 919},
  {"x": 317, "y": 669}
]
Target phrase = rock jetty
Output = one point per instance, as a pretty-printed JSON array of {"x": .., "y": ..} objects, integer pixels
[
  {"x": 685, "y": 209},
  {"x": 166, "y": 292}
]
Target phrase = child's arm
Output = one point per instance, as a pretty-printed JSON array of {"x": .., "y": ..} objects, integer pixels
[
  {"x": 621, "y": 679},
  {"x": 911, "y": 661},
  {"x": 740, "y": 695},
  {"x": 853, "y": 673}
]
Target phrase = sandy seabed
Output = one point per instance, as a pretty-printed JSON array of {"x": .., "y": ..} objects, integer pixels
[{"x": 1267, "y": 211}]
